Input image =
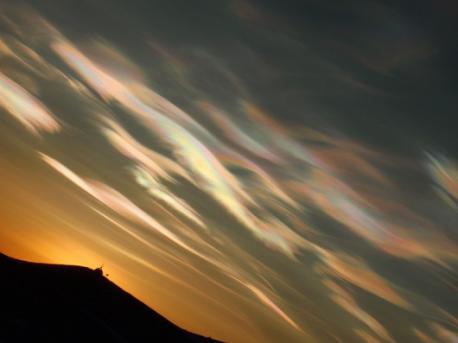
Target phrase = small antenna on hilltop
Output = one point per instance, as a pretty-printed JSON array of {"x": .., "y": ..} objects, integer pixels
[{"x": 99, "y": 270}]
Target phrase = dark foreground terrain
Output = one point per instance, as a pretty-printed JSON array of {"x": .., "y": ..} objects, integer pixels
[{"x": 58, "y": 303}]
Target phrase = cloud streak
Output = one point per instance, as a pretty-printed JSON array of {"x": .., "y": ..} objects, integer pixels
[{"x": 25, "y": 108}]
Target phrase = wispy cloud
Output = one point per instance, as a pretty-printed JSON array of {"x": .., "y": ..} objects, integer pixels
[
  {"x": 269, "y": 303},
  {"x": 203, "y": 166},
  {"x": 346, "y": 301},
  {"x": 116, "y": 201},
  {"x": 160, "y": 192},
  {"x": 25, "y": 108},
  {"x": 355, "y": 272}
]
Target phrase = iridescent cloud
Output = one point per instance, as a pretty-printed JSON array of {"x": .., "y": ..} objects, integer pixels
[
  {"x": 156, "y": 164},
  {"x": 116, "y": 201},
  {"x": 345, "y": 300},
  {"x": 237, "y": 135},
  {"x": 269, "y": 303},
  {"x": 202, "y": 164},
  {"x": 354, "y": 271},
  {"x": 25, "y": 108},
  {"x": 445, "y": 174},
  {"x": 366, "y": 337},
  {"x": 160, "y": 192}
]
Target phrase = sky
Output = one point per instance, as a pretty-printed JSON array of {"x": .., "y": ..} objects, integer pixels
[{"x": 255, "y": 171}]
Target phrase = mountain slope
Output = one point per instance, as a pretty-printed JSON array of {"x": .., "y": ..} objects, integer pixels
[{"x": 59, "y": 303}]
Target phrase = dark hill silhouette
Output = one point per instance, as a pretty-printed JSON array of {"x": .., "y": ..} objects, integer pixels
[{"x": 60, "y": 303}]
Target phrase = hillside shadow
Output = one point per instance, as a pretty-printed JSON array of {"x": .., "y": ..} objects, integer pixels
[{"x": 61, "y": 303}]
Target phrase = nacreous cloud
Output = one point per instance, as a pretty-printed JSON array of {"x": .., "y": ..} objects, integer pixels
[
  {"x": 205, "y": 169},
  {"x": 117, "y": 202},
  {"x": 25, "y": 108}
]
